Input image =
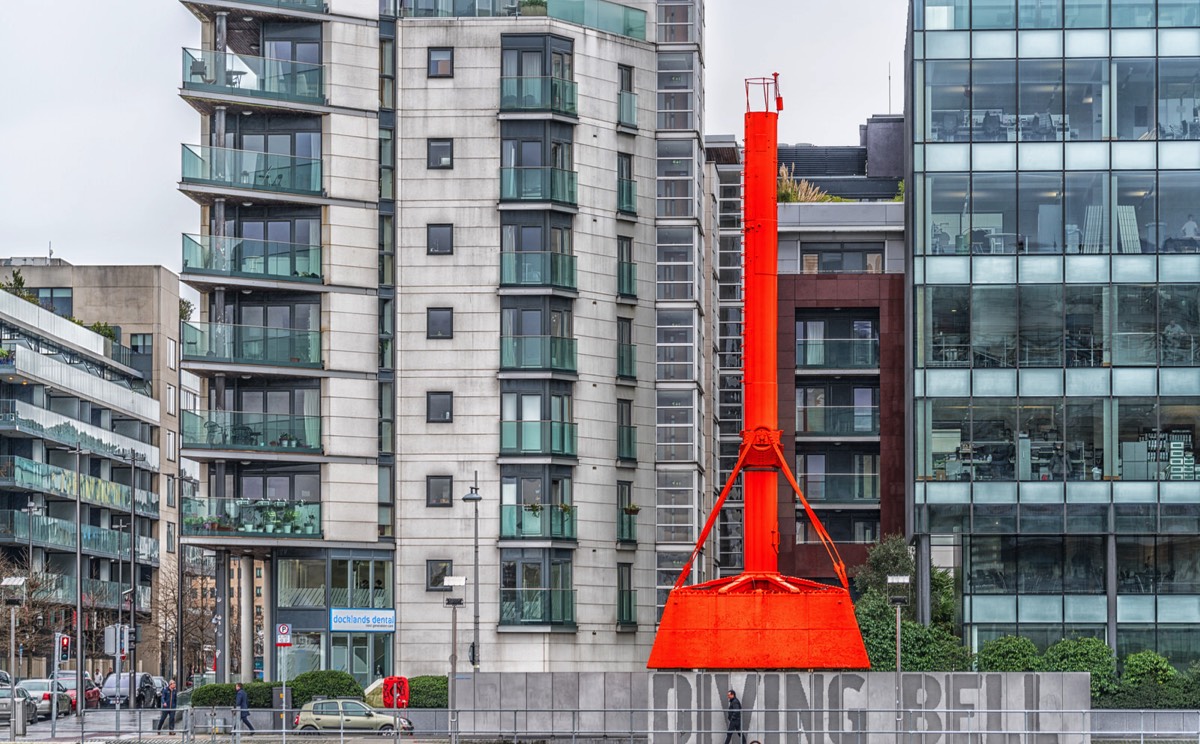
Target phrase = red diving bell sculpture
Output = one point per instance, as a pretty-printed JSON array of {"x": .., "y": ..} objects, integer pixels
[{"x": 760, "y": 619}]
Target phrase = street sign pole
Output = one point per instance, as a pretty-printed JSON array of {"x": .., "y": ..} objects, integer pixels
[{"x": 283, "y": 640}]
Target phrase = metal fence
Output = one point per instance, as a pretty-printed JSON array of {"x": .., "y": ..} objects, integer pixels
[{"x": 678, "y": 725}]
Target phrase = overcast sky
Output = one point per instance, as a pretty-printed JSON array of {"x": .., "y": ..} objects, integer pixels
[{"x": 91, "y": 126}]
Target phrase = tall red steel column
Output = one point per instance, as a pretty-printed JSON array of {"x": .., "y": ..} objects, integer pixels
[{"x": 760, "y": 619}]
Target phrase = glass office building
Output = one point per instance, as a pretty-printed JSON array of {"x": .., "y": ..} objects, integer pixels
[{"x": 1055, "y": 310}]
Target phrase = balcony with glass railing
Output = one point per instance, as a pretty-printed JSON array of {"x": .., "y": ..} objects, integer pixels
[
  {"x": 627, "y": 109},
  {"x": 626, "y": 442},
  {"x": 537, "y": 353},
  {"x": 849, "y": 421},
  {"x": 537, "y": 522},
  {"x": 243, "y": 344},
  {"x": 59, "y": 534},
  {"x": 539, "y": 185},
  {"x": 626, "y": 360},
  {"x": 96, "y": 593},
  {"x": 837, "y": 353},
  {"x": 21, "y": 473},
  {"x": 627, "y": 195},
  {"x": 840, "y": 487},
  {"x": 312, "y": 6},
  {"x": 254, "y": 77},
  {"x": 626, "y": 525},
  {"x": 627, "y": 279},
  {"x": 251, "y": 518},
  {"x": 537, "y": 607},
  {"x": 598, "y": 14},
  {"x": 626, "y": 607},
  {"x": 266, "y": 260},
  {"x": 551, "y": 94},
  {"x": 26, "y": 418},
  {"x": 537, "y": 269},
  {"x": 246, "y": 169},
  {"x": 537, "y": 438},
  {"x": 251, "y": 431}
]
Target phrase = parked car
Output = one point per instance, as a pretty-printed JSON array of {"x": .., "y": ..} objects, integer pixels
[
  {"x": 5, "y": 678},
  {"x": 22, "y": 697},
  {"x": 160, "y": 684},
  {"x": 115, "y": 691},
  {"x": 91, "y": 693},
  {"x": 42, "y": 690},
  {"x": 349, "y": 715}
]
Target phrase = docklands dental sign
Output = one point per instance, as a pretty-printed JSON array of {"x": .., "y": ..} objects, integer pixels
[{"x": 860, "y": 708}]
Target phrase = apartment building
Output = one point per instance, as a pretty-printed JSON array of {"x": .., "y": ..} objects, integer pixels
[
  {"x": 1055, "y": 173},
  {"x": 81, "y": 470}
]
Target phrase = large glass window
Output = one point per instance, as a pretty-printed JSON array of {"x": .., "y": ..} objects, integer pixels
[
  {"x": 1179, "y": 325},
  {"x": 1085, "y": 564},
  {"x": 1039, "y": 13},
  {"x": 947, "y": 213},
  {"x": 1179, "y": 99},
  {"x": 1040, "y": 453},
  {"x": 1178, "y": 13},
  {"x": 1040, "y": 211},
  {"x": 993, "y": 565},
  {"x": 993, "y": 100},
  {"x": 1132, "y": 13},
  {"x": 1135, "y": 225},
  {"x": 1086, "y": 13},
  {"x": 947, "y": 83},
  {"x": 1135, "y": 326},
  {"x": 944, "y": 15},
  {"x": 993, "y": 326},
  {"x": 1041, "y": 325},
  {"x": 1085, "y": 438},
  {"x": 1085, "y": 203},
  {"x": 1039, "y": 565},
  {"x": 1134, "y": 104},
  {"x": 947, "y": 326},
  {"x": 1176, "y": 229},
  {"x": 992, "y": 449},
  {"x": 1137, "y": 439},
  {"x": 1041, "y": 100},
  {"x": 992, "y": 14},
  {"x": 1086, "y": 95},
  {"x": 302, "y": 582},
  {"x": 994, "y": 213}
]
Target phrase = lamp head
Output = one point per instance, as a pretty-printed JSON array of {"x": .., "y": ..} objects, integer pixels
[{"x": 473, "y": 497}]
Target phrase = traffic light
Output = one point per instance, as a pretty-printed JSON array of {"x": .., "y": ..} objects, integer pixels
[{"x": 64, "y": 647}]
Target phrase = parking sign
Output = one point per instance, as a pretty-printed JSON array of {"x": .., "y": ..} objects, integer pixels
[{"x": 283, "y": 635}]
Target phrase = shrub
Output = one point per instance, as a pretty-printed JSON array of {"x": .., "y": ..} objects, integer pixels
[
  {"x": 1146, "y": 668},
  {"x": 223, "y": 695},
  {"x": 430, "y": 691},
  {"x": 327, "y": 682},
  {"x": 1084, "y": 655},
  {"x": 1008, "y": 654}
]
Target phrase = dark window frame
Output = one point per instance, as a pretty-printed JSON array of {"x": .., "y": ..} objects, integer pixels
[
  {"x": 429, "y": 62},
  {"x": 434, "y": 319},
  {"x": 433, "y": 142},
  {"x": 431, "y": 566},
  {"x": 429, "y": 402},
  {"x": 430, "y": 501},
  {"x": 431, "y": 241}
]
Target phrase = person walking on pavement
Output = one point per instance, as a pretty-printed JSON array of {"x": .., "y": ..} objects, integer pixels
[
  {"x": 733, "y": 719},
  {"x": 242, "y": 701},
  {"x": 169, "y": 700}
]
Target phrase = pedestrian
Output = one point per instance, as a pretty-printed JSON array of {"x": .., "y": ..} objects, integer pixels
[
  {"x": 733, "y": 719},
  {"x": 242, "y": 701},
  {"x": 169, "y": 700}
]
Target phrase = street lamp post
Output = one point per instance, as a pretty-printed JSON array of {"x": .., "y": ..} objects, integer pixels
[
  {"x": 134, "y": 456},
  {"x": 898, "y": 597},
  {"x": 454, "y": 603},
  {"x": 31, "y": 510},
  {"x": 79, "y": 656},
  {"x": 474, "y": 498}
]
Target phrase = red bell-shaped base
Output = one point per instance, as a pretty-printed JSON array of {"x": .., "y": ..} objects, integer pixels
[{"x": 759, "y": 621}]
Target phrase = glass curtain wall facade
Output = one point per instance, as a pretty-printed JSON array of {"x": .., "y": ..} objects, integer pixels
[{"x": 1056, "y": 385}]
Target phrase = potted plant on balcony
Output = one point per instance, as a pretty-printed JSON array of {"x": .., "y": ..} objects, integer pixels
[
  {"x": 270, "y": 517},
  {"x": 310, "y": 526},
  {"x": 194, "y": 523},
  {"x": 535, "y": 508},
  {"x": 288, "y": 520},
  {"x": 632, "y": 509},
  {"x": 287, "y": 440},
  {"x": 566, "y": 509}
]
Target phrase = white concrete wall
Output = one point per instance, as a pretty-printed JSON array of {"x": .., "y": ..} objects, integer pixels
[
  {"x": 352, "y": 64},
  {"x": 350, "y": 164}
]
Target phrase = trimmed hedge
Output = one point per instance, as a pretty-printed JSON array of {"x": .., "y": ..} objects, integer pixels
[
  {"x": 431, "y": 691},
  {"x": 303, "y": 687},
  {"x": 1008, "y": 654}
]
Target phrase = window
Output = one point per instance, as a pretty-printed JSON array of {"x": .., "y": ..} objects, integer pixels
[
  {"x": 439, "y": 322},
  {"x": 258, "y": 591},
  {"x": 439, "y": 154},
  {"x": 170, "y": 491},
  {"x": 439, "y": 490},
  {"x": 57, "y": 300},
  {"x": 302, "y": 582},
  {"x": 439, "y": 407},
  {"x": 439, "y": 240},
  {"x": 441, "y": 62},
  {"x": 170, "y": 537},
  {"x": 171, "y": 446},
  {"x": 172, "y": 353},
  {"x": 139, "y": 343},
  {"x": 436, "y": 572},
  {"x": 258, "y": 572},
  {"x": 171, "y": 399},
  {"x": 387, "y": 73},
  {"x": 626, "y": 432},
  {"x": 841, "y": 258}
]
